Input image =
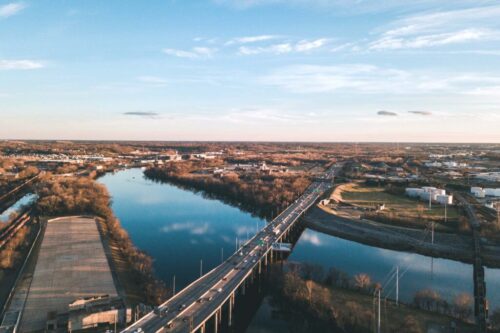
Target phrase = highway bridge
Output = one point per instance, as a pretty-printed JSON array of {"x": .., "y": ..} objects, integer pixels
[{"x": 203, "y": 301}]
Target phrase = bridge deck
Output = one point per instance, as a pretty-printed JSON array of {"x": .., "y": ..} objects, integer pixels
[{"x": 195, "y": 304}]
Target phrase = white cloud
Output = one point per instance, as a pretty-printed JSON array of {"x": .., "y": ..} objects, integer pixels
[
  {"x": 306, "y": 45},
  {"x": 251, "y": 39},
  {"x": 195, "y": 52},
  {"x": 311, "y": 238},
  {"x": 273, "y": 49},
  {"x": 440, "y": 28},
  {"x": 20, "y": 64},
  {"x": 11, "y": 9},
  {"x": 462, "y": 36},
  {"x": 191, "y": 227},
  {"x": 152, "y": 79},
  {"x": 285, "y": 47},
  {"x": 356, "y": 6},
  {"x": 363, "y": 78}
]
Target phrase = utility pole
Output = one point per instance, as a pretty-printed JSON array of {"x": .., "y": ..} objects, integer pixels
[
  {"x": 201, "y": 267},
  {"x": 397, "y": 285},
  {"x": 173, "y": 285},
  {"x": 498, "y": 213},
  {"x": 432, "y": 232},
  {"x": 378, "y": 317},
  {"x": 445, "y": 211}
]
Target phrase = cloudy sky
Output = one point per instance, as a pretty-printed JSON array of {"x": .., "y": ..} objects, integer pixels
[{"x": 287, "y": 70}]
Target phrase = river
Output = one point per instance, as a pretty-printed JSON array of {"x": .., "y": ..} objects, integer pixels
[
  {"x": 182, "y": 231},
  {"x": 17, "y": 207}
]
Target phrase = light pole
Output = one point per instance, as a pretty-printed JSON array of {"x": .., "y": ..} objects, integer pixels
[
  {"x": 445, "y": 211},
  {"x": 221, "y": 254},
  {"x": 173, "y": 285},
  {"x": 201, "y": 267},
  {"x": 397, "y": 285},
  {"x": 378, "y": 316}
]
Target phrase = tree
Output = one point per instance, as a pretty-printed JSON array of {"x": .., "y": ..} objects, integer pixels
[
  {"x": 409, "y": 325},
  {"x": 495, "y": 320},
  {"x": 462, "y": 306},
  {"x": 362, "y": 281}
]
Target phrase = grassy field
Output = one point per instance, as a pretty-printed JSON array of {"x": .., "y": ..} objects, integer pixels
[{"x": 369, "y": 197}]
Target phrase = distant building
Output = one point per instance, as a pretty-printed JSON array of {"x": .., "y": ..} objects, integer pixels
[
  {"x": 479, "y": 192},
  {"x": 427, "y": 193},
  {"x": 444, "y": 199}
]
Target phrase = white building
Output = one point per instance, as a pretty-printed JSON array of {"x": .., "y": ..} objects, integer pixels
[
  {"x": 444, "y": 199},
  {"x": 413, "y": 192},
  {"x": 492, "y": 192},
  {"x": 478, "y": 192},
  {"x": 427, "y": 193}
]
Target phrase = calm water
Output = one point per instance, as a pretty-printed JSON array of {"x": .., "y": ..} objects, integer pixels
[
  {"x": 178, "y": 228},
  {"x": 25, "y": 200},
  {"x": 448, "y": 277}
]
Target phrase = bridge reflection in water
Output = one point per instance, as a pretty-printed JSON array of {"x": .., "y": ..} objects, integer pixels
[{"x": 205, "y": 299}]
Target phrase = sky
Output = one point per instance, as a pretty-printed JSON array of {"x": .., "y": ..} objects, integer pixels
[{"x": 251, "y": 70}]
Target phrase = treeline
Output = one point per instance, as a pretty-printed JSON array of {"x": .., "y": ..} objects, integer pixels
[
  {"x": 264, "y": 195},
  {"x": 311, "y": 291},
  {"x": 10, "y": 255},
  {"x": 311, "y": 307},
  {"x": 84, "y": 196}
]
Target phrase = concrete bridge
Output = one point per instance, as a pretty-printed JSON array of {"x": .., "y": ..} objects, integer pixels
[{"x": 203, "y": 301}]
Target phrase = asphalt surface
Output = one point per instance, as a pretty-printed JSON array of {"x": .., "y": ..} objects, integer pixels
[{"x": 197, "y": 302}]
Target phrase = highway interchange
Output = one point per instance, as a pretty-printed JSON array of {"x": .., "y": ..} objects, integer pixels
[{"x": 194, "y": 305}]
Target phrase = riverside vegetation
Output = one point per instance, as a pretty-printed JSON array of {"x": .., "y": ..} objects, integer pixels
[
  {"x": 312, "y": 300},
  {"x": 262, "y": 194},
  {"x": 84, "y": 196}
]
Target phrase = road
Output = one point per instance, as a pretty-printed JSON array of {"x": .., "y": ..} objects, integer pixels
[{"x": 199, "y": 301}]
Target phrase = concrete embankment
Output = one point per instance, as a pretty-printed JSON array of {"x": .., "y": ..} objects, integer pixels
[
  {"x": 449, "y": 246},
  {"x": 71, "y": 264}
]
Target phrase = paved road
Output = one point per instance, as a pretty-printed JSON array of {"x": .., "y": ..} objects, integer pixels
[{"x": 201, "y": 299}]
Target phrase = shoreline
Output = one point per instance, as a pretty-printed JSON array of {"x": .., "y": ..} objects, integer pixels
[{"x": 446, "y": 246}]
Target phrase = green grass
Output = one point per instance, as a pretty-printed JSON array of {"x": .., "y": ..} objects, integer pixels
[{"x": 369, "y": 197}]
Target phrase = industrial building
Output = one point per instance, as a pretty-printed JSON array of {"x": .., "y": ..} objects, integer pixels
[
  {"x": 430, "y": 193},
  {"x": 480, "y": 192}
]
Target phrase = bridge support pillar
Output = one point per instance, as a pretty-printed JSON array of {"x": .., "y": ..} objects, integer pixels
[
  {"x": 230, "y": 312},
  {"x": 265, "y": 260},
  {"x": 243, "y": 287},
  {"x": 216, "y": 321},
  {"x": 260, "y": 266},
  {"x": 202, "y": 328}
]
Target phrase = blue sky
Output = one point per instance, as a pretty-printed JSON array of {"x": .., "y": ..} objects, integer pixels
[{"x": 294, "y": 70}]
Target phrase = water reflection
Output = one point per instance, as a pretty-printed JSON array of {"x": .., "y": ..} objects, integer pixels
[
  {"x": 17, "y": 207},
  {"x": 448, "y": 277},
  {"x": 176, "y": 227}
]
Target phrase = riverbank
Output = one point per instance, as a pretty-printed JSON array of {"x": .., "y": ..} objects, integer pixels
[
  {"x": 84, "y": 196},
  {"x": 449, "y": 246},
  {"x": 264, "y": 195},
  {"x": 303, "y": 302}
]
